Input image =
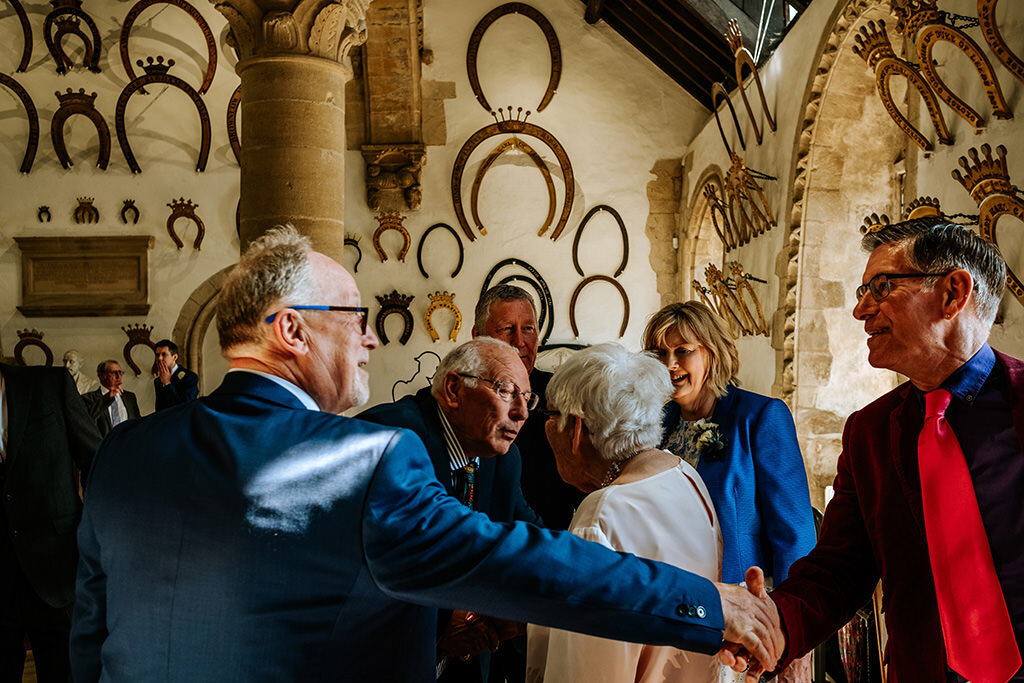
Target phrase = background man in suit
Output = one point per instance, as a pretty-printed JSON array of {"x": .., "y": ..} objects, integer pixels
[
  {"x": 291, "y": 543},
  {"x": 174, "y": 384},
  {"x": 929, "y": 503},
  {"x": 468, "y": 420},
  {"x": 46, "y": 434},
  {"x": 506, "y": 312},
  {"x": 110, "y": 405}
]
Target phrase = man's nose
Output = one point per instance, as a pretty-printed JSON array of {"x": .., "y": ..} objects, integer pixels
[{"x": 864, "y": 307}]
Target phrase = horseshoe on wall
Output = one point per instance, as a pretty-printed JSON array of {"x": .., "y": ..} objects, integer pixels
[
  {"x": 26, "y": 33},
  {"x": 549, "y": 34},
  {"x": 759, "y": 325},
  {"x": 458, "y": 242},
  {"x": 576, "y": 295},
  {"x": 391, "y": 221},
  {"x": 491, "y": 158},
  {"x": 28, "y": 338},
  {"x": 719, "y": 94},
  {"x": 353, "y": 241},
  {"x": 743, "y": 58},
  {"x": 72, "y": 103},
  {"x": 138, "y": 335},
  {"x": 990, "y": 30},
  {"x": 546, "y": 320},
  {"x": 142, "y": 5},
  {"x": 516, "y": 126},
  {"x": 442, "y": 300},
  {"x": 157, "y": 73},
  {"x": 184, "y": 208},
  {"x": 67, "y": 11},
  {"x": 232, "y": 116},
  {"x": 394, "y": 303},
  {"x": 579, "y": 235},
  {"x": 718, "y": 210},
  {"x": 33, "y": 120}
]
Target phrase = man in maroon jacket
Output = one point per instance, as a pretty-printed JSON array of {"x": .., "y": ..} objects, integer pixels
[{"x": 929, "y": 298}]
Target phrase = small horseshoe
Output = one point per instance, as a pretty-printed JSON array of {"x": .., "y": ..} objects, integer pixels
[
  {"x": 394, "y": 303},
  {"x": 184, "y": 208},
  {"x": 419, "y": 248},
  {"x": 576, "y": 294},
  {"x": 442, "y": 300},
  {"x": 353, "y": 242},
  {"x": 129, "y": 207},
  {"x": 579, "y": 235},
  {"x": 138, "y": 335},
  {"x": 44, "y": 210},
  {"x": 391, "y": 222}
]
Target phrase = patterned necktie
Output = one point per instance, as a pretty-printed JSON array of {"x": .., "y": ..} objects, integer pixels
[
  {"x": 465, "y": 484},
  {"x": 976, "y": 627}
]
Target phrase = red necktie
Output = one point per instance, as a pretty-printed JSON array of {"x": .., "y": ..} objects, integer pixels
[{"x": 976, "y": 627}]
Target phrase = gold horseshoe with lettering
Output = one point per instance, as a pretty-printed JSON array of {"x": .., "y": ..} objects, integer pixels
[
  {"x": 989, "y": 29},
  {"x": 442, "y": 300},
  {"x": 391, "y": 220}
]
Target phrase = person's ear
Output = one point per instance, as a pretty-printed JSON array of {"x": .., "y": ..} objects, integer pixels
[
  {"x": 576, "y": 431},
  {"x": 474, "y": 332},
  {"x": 451, "y": 389},
  {"x": 290, "y": 333},
  {"x": 956, "y": 292}
]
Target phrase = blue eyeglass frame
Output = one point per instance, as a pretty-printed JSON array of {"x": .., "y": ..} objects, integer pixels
[{"x": 362, "y": 310}]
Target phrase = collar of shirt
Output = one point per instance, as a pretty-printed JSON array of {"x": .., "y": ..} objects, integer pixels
[
  {"x": 306, "y": 400},
  {"x": 175, "y": 369},
  {"x": 965, "y": 384},
  {"x": 457, "y": 458}
]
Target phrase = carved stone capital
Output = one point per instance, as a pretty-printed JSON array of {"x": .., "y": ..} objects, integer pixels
[
  {"x": 393, "y": 176},
  {"x": 319, "y": 28}
]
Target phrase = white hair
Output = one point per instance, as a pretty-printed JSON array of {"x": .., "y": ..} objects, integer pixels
[
  {"x": 471, "y": 358},
  {"x": 618, "y": 394}
]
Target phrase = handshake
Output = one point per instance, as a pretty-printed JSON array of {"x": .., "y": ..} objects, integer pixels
[{"x": 753, "y": 635}]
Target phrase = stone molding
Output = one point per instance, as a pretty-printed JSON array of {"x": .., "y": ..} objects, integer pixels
[{"x": 393, "y": 176}]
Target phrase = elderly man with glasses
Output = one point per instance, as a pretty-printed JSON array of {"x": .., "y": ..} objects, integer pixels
[
  {"x": 928, "y": 495},
  {"x": 468, "y": 420},
  {"x": 111, "y": 404}
]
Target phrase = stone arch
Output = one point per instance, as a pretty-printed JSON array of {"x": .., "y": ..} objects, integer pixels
[
  {"x": 194, "y": 321},
  {"x": 702, "y": 245}
]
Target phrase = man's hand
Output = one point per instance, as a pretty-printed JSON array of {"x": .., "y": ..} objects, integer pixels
[
  {"x": 116, "y": 391},
  {"x": 507, "y": 629},
  {"x": 752, "y": 629},
  {"x": 163, "y": 371},
  {"x": 468, "y": 634}
]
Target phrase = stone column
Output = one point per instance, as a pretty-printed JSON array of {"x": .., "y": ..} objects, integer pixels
[{"x": 293, "y": 71}]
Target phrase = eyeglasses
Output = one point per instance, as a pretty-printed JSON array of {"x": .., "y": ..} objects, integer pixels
[
  {"x": 364, "y": 313},
  {"x": 508, "y": 391},
  {"x": 879, "y": 285},
  {"x": 116, "y": 373}
]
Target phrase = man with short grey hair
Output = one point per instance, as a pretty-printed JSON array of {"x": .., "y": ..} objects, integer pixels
[
  {"x": 111, "y": 404},
  {"x": 265, "y": 537}
]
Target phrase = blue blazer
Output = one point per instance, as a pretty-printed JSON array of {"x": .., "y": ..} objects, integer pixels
[
  {"x": 759, "y": 487},
  {"x": 260, "y": 541}
]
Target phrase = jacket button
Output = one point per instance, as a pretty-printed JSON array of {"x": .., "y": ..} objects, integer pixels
[
  {"x": 15, "y": 532},
  {"x": 9, "y": 497},
  {"x": 701, "y": 612},
  {"x": 681, "y": 610}
]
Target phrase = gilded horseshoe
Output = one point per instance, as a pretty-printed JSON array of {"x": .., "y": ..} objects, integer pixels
[
  {"x": 31, "y": 338},
  {"x": 579, "y": 234},
  {"x": 157, "y": 73},
  {"x": 743, "y": 284},
  {"x": 26, "y": 33},
  {"x": 211, "y": 44},
  {"x": 72, "y": 103},
  {"x": 549, "y": 34},
  {"x": 491, "y": 158},
  {"x": 33, "y": 120},
  {"x": 891, "y": 67},
  {"x": 717, "y": 207},
  {"x": 547, "y": 309},
  {"x": 989, "y": 29},
  {"x": 442, "y": 300},
  {"x": 744, "y": 59},
  {"x": 517, "y": 126},
  {"x": 398, "y": 304},
  {"x": 458, "y": 242},
  {"x": 576, "y": 295},
  {"x": 233, "y": 105},
  {"x": 391, "y": 221},
  {"x": 718, "y": 94},
  {"x": 703, "y": 292},
  {"x": 138, "y": 335},
  {"x": 353, "y": 241},
  {"x": 92, "y": 48},
  {"x": 184, "y": 208}
]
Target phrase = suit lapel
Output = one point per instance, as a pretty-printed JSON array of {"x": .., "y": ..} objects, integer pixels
[
  {"x": 904, "y": 427},
  {"x": 1015, "y": 375},
  {"x": 19, "y": 396}
]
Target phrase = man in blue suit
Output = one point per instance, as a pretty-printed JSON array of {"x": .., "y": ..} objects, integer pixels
[
  {"x": 267, "y": 538},
  {"x": 468, "y": 420}
]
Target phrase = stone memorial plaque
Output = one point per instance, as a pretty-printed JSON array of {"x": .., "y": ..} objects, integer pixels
[{"x": 84, "y": 276}]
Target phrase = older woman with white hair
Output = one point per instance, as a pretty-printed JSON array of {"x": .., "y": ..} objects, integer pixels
[{"x": 604, "y": 425}]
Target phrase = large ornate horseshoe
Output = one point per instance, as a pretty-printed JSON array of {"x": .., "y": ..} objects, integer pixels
[
  {"x": 66, "y": 9},
  {"x": 512, "y": 125},
  {"x": 142, "y": 5},
  {"x": 576, "y": 295},
  {"x": 33, "y": 120},
  {"x": 72, "y": 103},
  {"x": 442, "y": 300},
  {"x": 728, "y": 302},
  {"x": 743, "y": 58},
  {"x": 28, "y": 338},
  {"x": 491, "y": 158},
  {"x": 157, "y": 73},
  {"x": 26, "y": 33},
  {"x": 579, "y": 234},
  {"x": 398, "y": 304},
  {"x": 546, "y": 304},
  {"x": 419, "y": 248},
  {"x": 758, "y": 325},
  {"x": 232, "y": 116},
  {"x": 927, "y": 37},
  {"x": 137, "y": 335},
  {"x": 549, "y": 34},
  {"x": 391, "y": 221},
  {"x": 717, "y": 208},
  {"x": 718, "y": 94},
  {"x": 989, "y": 29}
]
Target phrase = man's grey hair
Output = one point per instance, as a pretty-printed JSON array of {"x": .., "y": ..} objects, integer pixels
[
  {"x": 618, "y": 394},
  {"x": 469, "y": 359},
  {"x": 934, "y": 245},
  {"x": 492, "y": 296},
  {"x": 274, "y": 271},
  {"x": 102, "y": 367}
]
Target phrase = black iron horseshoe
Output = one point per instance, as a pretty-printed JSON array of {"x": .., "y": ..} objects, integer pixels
[
  {"x": 546, "y": 321},
  {"x": 579, "y": 234},
  {"x": 419, "y": 248},
  {"x": 576, "y": 294}
]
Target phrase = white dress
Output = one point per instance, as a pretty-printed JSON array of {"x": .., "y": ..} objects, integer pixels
[{"x": 667, "y": 517}]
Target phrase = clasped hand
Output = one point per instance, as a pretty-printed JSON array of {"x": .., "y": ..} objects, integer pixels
[
  {"x": 753, "y": 634},
  {"x": 468, "y": 634}
]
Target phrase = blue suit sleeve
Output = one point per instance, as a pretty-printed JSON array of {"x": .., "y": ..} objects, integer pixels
[
  {"x": 783, "y": 500},
  {"x": 89, "y": 623},
  {"x": 423, "y": 546}
]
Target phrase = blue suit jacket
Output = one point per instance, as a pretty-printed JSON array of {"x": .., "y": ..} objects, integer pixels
[
  {"x": 259, "y": 541},
  {"x": 184, "y": 387},
  {"x": 759, "y": 488}
]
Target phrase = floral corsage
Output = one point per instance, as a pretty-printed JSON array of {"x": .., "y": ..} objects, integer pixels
[{"x": 708, "y": 440}]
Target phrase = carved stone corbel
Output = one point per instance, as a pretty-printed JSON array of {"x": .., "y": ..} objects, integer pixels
[{"x": 393, "y": 176}]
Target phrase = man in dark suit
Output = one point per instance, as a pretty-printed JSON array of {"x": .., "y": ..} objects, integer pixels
[
  {"x": 506, "y": 312},
  {"x": 468, "y": 420},
  {"x": 110, "y": 405},
  {"x": 46, "y": 436},
  {"x": 174, "y": 384},
  {"x": 267, "y": 538},
  {"x": 952, "y": 564}
]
